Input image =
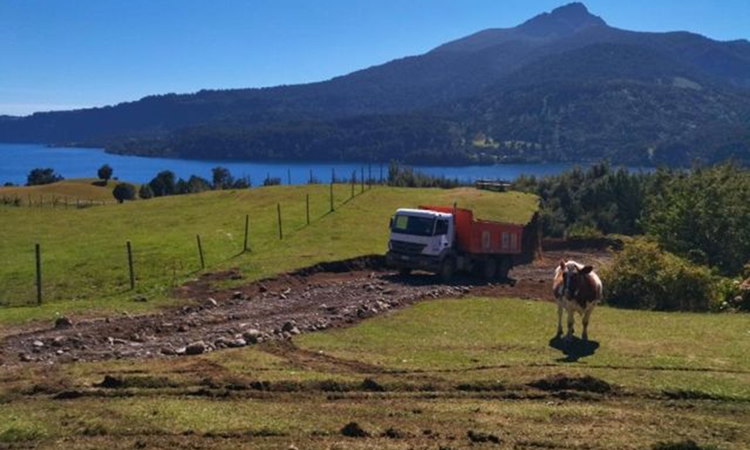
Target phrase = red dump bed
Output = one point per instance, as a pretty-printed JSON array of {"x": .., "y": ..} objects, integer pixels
[{"x": 482, "y": 236}]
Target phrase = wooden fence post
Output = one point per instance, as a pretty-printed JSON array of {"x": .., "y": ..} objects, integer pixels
[
  {"x": 331, "y": 197},
  {"x": 307, "y": 207},
  {"x": 200, "y": 251},
  {"x": 130, "y": 266},
  {"x": 278, "y": 210},
  {"x": 247, "y": 231},
  {"x": 363, "y": 179},
  {"x": 38, "y": 252}
]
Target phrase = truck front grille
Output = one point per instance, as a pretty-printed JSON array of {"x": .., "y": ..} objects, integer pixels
[{"x": 410, "y": 248}]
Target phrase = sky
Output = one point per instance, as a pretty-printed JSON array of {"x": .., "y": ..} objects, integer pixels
[{"x": 57, "y": 54}]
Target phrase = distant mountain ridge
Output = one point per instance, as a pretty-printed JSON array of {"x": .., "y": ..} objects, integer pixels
[{"x": 562, "y": 86}]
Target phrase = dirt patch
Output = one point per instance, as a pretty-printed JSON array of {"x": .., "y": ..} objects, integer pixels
[
  {"x": 327, "y": 295},
  {"x": 562, "y": 382}
]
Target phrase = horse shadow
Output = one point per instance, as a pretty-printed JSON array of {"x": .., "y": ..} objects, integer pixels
[{"x": 573, "y": 349}]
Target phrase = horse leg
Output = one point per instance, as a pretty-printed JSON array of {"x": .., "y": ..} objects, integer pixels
[
  {"x": 586, "y": 317},
  {"x": 559, "y": 317}
]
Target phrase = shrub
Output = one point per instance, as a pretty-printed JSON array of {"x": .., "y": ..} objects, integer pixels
[
  {"x": 272, "y": 181},
  {"x": 104, "y": 173},
  {"x": 42, "y": 176},
  {"x": 124, "y": 191},
  {"x": 644, "y": 276},
  {"x": 145, "y": 192}
]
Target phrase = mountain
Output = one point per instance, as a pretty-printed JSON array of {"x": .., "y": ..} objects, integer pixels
[{"x": 562, "y": 86}]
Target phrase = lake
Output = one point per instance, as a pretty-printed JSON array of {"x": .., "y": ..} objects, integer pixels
[{"x": 17, "y": 160}]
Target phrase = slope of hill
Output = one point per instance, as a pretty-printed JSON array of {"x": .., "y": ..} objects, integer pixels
[{"x": 447, "y": 97}]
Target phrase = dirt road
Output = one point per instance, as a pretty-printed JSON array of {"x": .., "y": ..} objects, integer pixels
[{"x": 318, "y": 298}]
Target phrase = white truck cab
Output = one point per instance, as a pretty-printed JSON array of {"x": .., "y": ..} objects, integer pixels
[{"x": 420, "y": 238}]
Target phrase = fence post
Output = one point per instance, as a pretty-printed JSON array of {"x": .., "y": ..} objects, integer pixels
[
  {"x": 331, "y": 197},
  {"x": 363, "y": 179},
  {"x": 130, "y": 266},
  {"x": 307, "y": 207},
  {"x": 38, "y": 252},
  {"x": 247, "y": 231},
  {"x": 369, "y": 175},
  {"x": 278, "y": 210},
  {"x": 200, "y": 251}
]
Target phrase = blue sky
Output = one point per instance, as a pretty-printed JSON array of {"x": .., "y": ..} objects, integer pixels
[{"x": 57, "y": 54}]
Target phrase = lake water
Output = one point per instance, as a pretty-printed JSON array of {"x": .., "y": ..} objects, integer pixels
[{"x": 17, "y": 160}]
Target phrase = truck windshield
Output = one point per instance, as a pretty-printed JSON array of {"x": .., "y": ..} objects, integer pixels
[{"x": 419, "y": 226}]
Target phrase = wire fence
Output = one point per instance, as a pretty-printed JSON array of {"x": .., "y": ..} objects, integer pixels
[{"x": 92, "y": 267}]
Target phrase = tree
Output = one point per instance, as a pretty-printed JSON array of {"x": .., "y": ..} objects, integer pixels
[
  {"x": 703, "y": 215},
  {"x": 222, "y": 178},
  {"x": 105, "y": 173},
  {"x": 42, "y": 176},
  {"x": 145, "y": 192},
  {"x": 163, "y": 184},
  {"x": 124, "y": 191},
  {"x": 198, "y": 184}
]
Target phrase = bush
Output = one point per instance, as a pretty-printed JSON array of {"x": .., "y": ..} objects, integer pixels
[
  {"x": 272, "y": 181},
  {"x": 145, "y": 192},
  {"x": 104, "y": 173},
  {"x": 643, "y": 276},
  {"x": 42, "y": 176},
  {"x": 124, "y": 191}
]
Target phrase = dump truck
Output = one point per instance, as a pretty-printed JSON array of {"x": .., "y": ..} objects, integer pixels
[{"x": 446, "y": 239}]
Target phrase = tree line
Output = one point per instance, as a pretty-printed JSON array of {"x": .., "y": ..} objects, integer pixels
[{"x": 690, "y": 228}]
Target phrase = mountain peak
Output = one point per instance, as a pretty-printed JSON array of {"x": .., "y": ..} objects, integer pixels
[{"x": 563, "y": 20}]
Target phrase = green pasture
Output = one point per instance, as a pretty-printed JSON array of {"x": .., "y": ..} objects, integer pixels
[
  {"x": 84, "y": 259},
  {"x": 445, "y": 368}
]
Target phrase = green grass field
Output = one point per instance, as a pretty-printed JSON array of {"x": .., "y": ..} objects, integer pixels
[
  {"x": 84, "y": 259},
  {"x": 444, "y": 368},
  {"x": 80, "y": 191}
]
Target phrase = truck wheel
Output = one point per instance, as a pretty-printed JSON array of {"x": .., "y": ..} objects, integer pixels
[
  {"x": 404, "y": 272},
  {"x": 489, "y": 269},
  {"x": 504, "y": 268},
  {"x": 447, "y": 269}
]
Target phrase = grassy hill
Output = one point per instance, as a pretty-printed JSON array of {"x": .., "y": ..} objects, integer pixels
[
  {"x": 437, "y": 372},
  {"x": 84, "y": 260},
  {"x": 84, "y": 190}
]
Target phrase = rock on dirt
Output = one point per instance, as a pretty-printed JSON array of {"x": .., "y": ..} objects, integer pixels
[
  {"x": 352, "y": 429},
  {"x": 62, "y": 323},
  {"x": 475, "y": 436},
  {"x": 196, "y": 348}
]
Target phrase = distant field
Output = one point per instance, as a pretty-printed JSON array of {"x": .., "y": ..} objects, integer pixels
[
  {"x": 84, "y": 254},
  {"x": 80, "y": 190},
  {"x": 435, "y": 373}
]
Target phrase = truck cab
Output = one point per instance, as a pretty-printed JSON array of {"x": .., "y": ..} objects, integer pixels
[{"x": 420, "y": 239}]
